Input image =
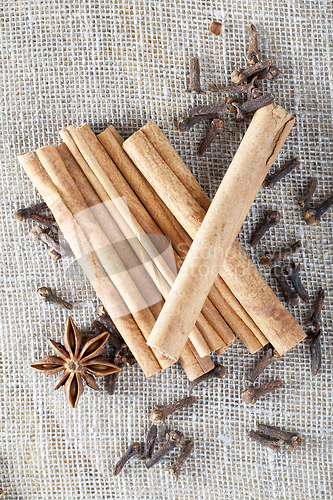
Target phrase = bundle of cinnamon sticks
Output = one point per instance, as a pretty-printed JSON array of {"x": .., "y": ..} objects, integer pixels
[{"x": 116, "y": 203}]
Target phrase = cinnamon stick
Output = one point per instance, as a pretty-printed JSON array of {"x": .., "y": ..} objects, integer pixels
[
  {"x": 142, "y": 187},
  {"x": 226, "y": 303},
  {"x": 191, "y": 362},
  {"x": 90, "y": 264},
  {"x": 103, "y": 167},
  {"x": 178, "y": 167},
  {"x": 264, "y": 138}
]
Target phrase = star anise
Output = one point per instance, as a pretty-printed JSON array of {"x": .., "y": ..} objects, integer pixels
[{"x": 76, "y": 362}]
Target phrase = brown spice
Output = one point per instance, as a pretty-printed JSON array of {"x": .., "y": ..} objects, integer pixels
[
  {"x": 240, "y": 75},
  {"x": 195, "y": 85},
  {"x": 174, "y": 438},
  {"x": 37, "y": 233},
  {"x": 269, "y": 260},
  {"x": 313, "y": 216},
  {"x": 149, "y": 442},
  {"x": 46, "y": 222},
  {"x": 216, "y": 28},
  {"x": 250, "y": 395},
  {"x": 290, "y": 438},
  {"x": 289, "y": 294},
  {"x": 253, "y": 54},
  {"x": 160, "y": 413},
  {"x": 114, "y": 340},
  {"x": 178, "y": 464},
  {"x": 273, "y": 444},
  {"x": 216, "y": 128},
  {"x": 252, "y": 105},
  {"x": 223, "y": 106},
  {"x": 76, "y": 361},
  {"x": 25, "y": 213},
  {"x": 272, "y": 180},
  {"x": 315, "y": 319},
  {"x": 121, "y": 362},
  {"x": 269, "y": 357},
  {"x": 189, "y": 122},
  {"x": 217, "y": 372},
  {"x": 315, "y": 351},
  {"x": 273, "y": 217},
  {"x": 292, "y": 272},
  {"x": 132, "y": 451},
  {"x": 45, "y": 293},
  {"x": 307, "y": 197}
]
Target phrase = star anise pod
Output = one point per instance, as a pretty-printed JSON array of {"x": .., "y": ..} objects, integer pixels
[{"x": 76, "y": 362}]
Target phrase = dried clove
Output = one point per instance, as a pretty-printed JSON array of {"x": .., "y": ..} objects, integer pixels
[
  {"x": 150, "y": 441},
  {"x": 223, "y": 106},
  {"x": 289, "y": 294},
  {"x": 311, "y": 217},
  {"x": 252, "y": 105},
  {"x": 25, "y": 213},
  {"x": 119, "y": 361},
  {"x": 37, "y": 233},
  {"x": 269, "y": 260},
  {"x": 195, "y": 86},
  {"x": 254, "y": 94},
  {"x": 132, "y": 451},
  {"x": 270, "y": 357},
  {"x": 46, "y": 222},
  {"x": 243, "y": 88},
  {"x": 216, "y": 128},
  {"x": 293, "y": 274},
  {"x": 269, "y": 73},
  {"x": 315, "y": 319},
  {"x": 250, "y": 395},
  {"x": 253, "y": 54},
  {"x": 313, "y": 339},
  {"x": 216, "y": 28},
  {"x": 116, "y": 343},
  {"x": 273, "y": 444},
  {"x": 290, "y": 438},
  {"x": 217, "y": 372},
  {"x": 307, "y": 197},
  {"x": 102, "y": 313},
  {"x": 178, "y": 464},
  {"x": 45, "y": 293},
  {"x": 174, "y": 438},
  {"x": 273, "y": 217},
  {"x": 272, "y": 180},
  {"x": 160, "y": 413},
  {"x": 189, "y": 122},
  {"x": 53, "y": 253},
  {"x": 240, "y": 75}
]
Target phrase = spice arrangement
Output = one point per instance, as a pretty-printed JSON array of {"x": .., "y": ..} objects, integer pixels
[
  {"x": 174, "y": 439},
  {"x": 124, "y": 250}
]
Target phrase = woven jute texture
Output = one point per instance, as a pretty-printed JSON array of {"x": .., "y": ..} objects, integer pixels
[{"x": 124, "y": 63}]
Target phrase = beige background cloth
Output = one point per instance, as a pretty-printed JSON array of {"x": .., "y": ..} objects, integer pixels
[{"x": 126, "y": 62}]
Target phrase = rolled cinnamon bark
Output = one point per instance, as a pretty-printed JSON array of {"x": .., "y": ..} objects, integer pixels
[
  {"x": 178, "y": 167},
  {"x": 261, "y": 143},
  {"x": 142, "y": 189},
  {"x": 225, "y": 303},
  {"x": 101, "y": 170},
  {"x": 90, "y": 264}
]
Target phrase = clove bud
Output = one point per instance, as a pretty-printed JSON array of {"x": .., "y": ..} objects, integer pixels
[
  {"x": 160, "y": 413},
  {"x": 250, "y": 395},
  {"x": 174, "y": 438},
  {"x": 273, "y": 218},
  {"x": 45, "y": 293}
]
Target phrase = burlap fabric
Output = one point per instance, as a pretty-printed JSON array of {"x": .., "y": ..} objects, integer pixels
[{"x": 126, "y": 62}]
